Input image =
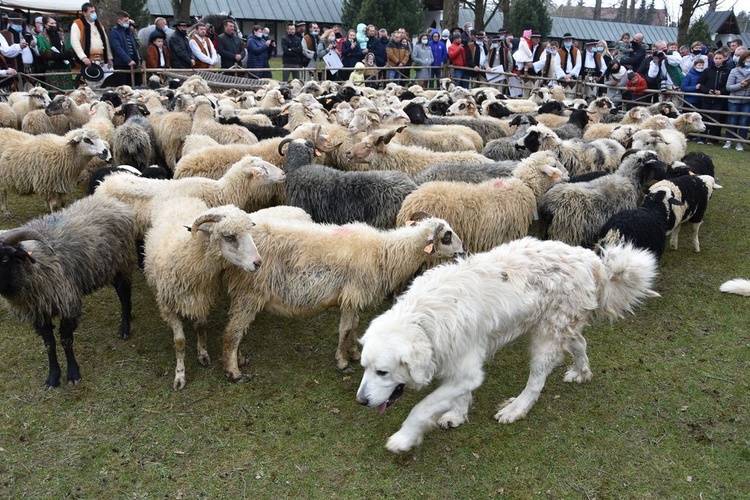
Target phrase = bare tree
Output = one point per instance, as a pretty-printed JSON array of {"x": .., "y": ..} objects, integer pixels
[
  {"x": 481, "y": 17},
  {"x": 597, "y": 10},
  {"x": 181, "y": 9},
  {"x": 631, "y": 11}
]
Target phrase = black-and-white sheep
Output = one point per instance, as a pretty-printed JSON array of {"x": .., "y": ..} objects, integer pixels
[
  {"x": 48, "y": 265},
  {"x": 575, "y": 212}
]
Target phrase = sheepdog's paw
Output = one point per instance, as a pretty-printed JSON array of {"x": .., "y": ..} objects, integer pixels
[
  {"x": 573, "y": 375},
  {"x": 510, "y": 411},
  {"x": 239, "y": 378},
  {"x": 403, "y": 441},
  {"x": 242, "y": 360},
  {"x": 354, "y": 354},
  {"x": 203, "y": 358},
  {"x": 450, "y": 419}
]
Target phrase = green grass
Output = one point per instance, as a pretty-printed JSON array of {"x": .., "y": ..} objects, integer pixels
[{"x": 666, "y": 415}]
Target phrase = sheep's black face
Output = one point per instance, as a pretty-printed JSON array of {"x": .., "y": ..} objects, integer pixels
[
  {"x": 530, "y": 141},
  {"x": 416, "y": 113},
  {"x": 11, "y": 257},
  {"x": 497, "y": 110},
  {"x": 438, "y": 108},
  {"x": 551, "y": 107}
]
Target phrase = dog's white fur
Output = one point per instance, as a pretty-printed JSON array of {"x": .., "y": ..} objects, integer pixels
[
  {"x": 738, "y": 286},
  {"x": 455, "y": 317}
]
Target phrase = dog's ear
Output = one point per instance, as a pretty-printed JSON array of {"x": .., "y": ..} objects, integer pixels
[{"x": 419, "y": 362}]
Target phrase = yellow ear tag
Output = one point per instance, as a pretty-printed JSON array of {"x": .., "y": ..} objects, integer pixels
[
  {"x": 555, "y": 175},
  {"x": 429, "y": 249}
]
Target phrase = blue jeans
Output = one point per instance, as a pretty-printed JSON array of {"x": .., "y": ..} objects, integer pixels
[
  {"x": 459, "y": 78},
  {"x": 734, "y": 118},
  {"x": 394, "y": 75}
]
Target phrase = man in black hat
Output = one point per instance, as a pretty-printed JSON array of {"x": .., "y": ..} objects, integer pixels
[
  {"x": 592, "y": 68},
  {"x": 179, "y": 47},
  {"x": 16, "y": 45}
]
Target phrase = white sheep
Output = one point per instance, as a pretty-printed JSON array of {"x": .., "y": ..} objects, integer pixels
[
  {"x": 8, "y": 117},
  {"x": 669, "y": 145},
  {"x": 492, "y": 212},
  {"x": 239, "y": 186},
  {"x": 310, "y": 267},
  {"x": 204, "y": 123},
  {"x": 184, "y": 268},
  {"x": 48, "y": 165},
  {"x": 377, "y": 150},
  {"x": 23, "y": 102},
  {"x": 196, "y": 142}
]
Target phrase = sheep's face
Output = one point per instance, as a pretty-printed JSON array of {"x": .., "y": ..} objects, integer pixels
[
  {"x": 667, "y": 109},
  {"x": 364, "y": 120},
  {"x": 601, "y": 105},
  {"x": 262, "y": 171},
  {"x": 538, "y": 139},
  {"x": 540, "y": 95},
  {"x": 648, "y": 139},
  {"x": 11, "y": 256},
  {"x": 343, "y": 113},
  {"x": 60, "y": 105},
  {"x": 497, "y": 110},
  {"x": 693, "y": 122},
  {"x": 370, "y": 145},
  {"x": 89, "y": 143},
  {"x": 462, "y": 108},
  {"x": 237, "y": 246},
  {"x": 395, "y": 116},
  {"x": 521, "y": 120},
  {"x": 442, "y": 242}
]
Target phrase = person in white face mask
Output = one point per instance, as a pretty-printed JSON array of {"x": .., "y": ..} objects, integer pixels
[{"x": 88, "y": 38}]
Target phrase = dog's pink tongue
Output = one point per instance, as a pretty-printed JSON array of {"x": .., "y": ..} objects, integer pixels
[{"x": 382, "y": 407}]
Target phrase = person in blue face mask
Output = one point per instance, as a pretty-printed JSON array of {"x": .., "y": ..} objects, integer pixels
[
  {"x": 16, "y": 45},
  {"x": 571, "y": 61},
  {"x": 88, "y": 38}
]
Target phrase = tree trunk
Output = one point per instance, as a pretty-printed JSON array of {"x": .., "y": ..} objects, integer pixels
[
  {"x": 683, "y": 25},
  {"x": 479, "y": 12},
  {"x": 597, "y": 10},
  {"x": 450, "y": 14},
  {"x": 181, "y": 10},
  {"x": 631, "y": 12}
]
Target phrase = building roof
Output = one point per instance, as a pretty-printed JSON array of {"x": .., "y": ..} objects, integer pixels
[
  {"x": 329, "y": 11},
  {"x": 326, "y": 11},
  {"x": 722, "y": 22}
]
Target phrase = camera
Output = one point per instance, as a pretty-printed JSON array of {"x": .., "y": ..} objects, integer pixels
[{"x": 660, "y": 54}]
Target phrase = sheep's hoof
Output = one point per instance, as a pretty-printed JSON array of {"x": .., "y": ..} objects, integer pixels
[
  {"x": 238, "y": 379},
  {"x": 204, "y": 359},
  {"x": 179, "y": 383},
  {"x": 51, "y": 383},
  {"x": 74, "y": 382},
  {"x": 347, "y": 369}
]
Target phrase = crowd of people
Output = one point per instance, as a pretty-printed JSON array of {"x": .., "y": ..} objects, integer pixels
[{"x": 371, "y": 56}]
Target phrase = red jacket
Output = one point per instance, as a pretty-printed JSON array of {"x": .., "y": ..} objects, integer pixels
[
  {"x": 457, "y": 54},
  {"x": 637, "y": 87}
]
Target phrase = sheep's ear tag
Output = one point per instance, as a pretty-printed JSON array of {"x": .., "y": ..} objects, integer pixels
[
  {"x": 317, "y": 152},
  {"x": 410, "y": 222},
  {"x": 555, "y": 175},
  {"x": 429, "y": 249}
]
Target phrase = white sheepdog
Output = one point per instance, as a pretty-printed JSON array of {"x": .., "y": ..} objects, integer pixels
[
  {"x": 454, "y": 317},
  {"x": 738, "y": 286}
]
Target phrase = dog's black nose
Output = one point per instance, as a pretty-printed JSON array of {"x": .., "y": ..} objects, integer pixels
[{"x": 362, "y": 401}]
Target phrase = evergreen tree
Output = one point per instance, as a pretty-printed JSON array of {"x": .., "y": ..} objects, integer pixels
[
  {"x": 698, "y": 32},
  {"x": 650, "y": 13},
  {"x": 640, "y": 15},
  {"x": 529, "y": 14},
  {"x": 138, "y": 10},
  {"x": 388, "y": 14}
]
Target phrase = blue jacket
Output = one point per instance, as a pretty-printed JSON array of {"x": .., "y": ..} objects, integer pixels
[
  {"x": 439, "y": 49},
  {"x": 257, "y": 52},
  {"x": 377, "y": 46},
  {"x": 118, "y": 40},
  {"x": 350, "y": 56},
  {"x": 688, "y": 85}
]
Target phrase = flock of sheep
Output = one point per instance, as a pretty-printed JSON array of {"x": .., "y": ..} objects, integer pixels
[{"x": 304, "y": 197}]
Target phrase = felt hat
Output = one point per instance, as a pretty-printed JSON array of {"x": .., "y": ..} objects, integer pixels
[
  {"x": 589, "y": 43},
  {"x": 15, "y": 16},
  {"x": 536, "y": 34},
  {"x": 180, "y": 22},
  {"x": 567, "y": 35},
  {"x": 92, "y": 72}
]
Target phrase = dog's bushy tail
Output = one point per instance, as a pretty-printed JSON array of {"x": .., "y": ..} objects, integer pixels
[
  {"x": 737, "y": 286},
  {"x": 629, "y": 273}
]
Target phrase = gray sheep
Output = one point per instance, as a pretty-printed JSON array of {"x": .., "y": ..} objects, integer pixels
[
  {"x": 340, "y": 197},
  {"x": 48, "y": 265},
  {"x": 134, "y": 139}
]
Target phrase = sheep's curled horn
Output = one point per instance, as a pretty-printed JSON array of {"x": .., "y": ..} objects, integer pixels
[
  {"x": 202, "y": 220},
  {"x": 283, "y": 143},
  {"x": 24, "y": 234}
]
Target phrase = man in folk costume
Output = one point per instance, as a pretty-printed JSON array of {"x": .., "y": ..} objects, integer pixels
[
  {"x": 89, "y": 40},
  {"x": 157, "y": 53},
  {"x": 202, "y": 48},
  {"x": 528, "y": 73},
  {"x": 570, "y": 63},
  {"x": 16, "y": 45},
  {"x": 548, "y": 67},
  {"x": 499, "y": 55},
  {"x": 310, "y": 51},
  {"x": 124, "y": 52},
  {"x": 54, "y": 48},
  {"x": 592, "y": 69}
]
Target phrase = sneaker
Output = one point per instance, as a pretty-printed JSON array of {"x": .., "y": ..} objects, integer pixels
[
  {"x": 700, "y": 141},
  {"x": 727, "y": 144},
  {"x": 739, "y": 147}
]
